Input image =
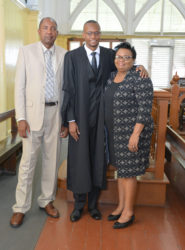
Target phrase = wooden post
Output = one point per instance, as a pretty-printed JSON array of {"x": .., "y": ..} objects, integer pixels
[
  {"x": 174, "y": 106},
  {"x": 161, "y": 98}
]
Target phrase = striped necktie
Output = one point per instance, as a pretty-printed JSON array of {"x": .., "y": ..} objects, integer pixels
[{"x": 50, "y": 76}]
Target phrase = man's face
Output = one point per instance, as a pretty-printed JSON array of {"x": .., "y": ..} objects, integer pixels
[
  {"x": 91, "y": 34},
  {"x": 48, "y": 33}
]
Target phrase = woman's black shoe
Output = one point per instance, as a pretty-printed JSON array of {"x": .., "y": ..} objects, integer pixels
[
  {"x": 113, "y": 217},
  {"x": 118, "y": 225}
]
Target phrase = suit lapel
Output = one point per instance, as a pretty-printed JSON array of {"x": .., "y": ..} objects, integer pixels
[
  {"x": 84, "y": 58},
  {"x": 58, "y": 57},
  {"x": 40, "y": 53},
  {"x": 102, "y": 62}
]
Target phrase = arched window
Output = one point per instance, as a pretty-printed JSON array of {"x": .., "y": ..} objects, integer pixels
[
  {"x": 173, "y": 20},
  {"x": 121, "y": 5},
  {"x": 151, "y": 20},
  {"x": 74, "y": 4},
  {"x": 155, "y": 21},
  {"x": 139, "y": 5},
  {"x": 100, "y": 11}
]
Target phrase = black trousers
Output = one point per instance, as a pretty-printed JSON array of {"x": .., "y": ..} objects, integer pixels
[
  {"x": 93, "y": 195},
  {"x": 80, "y": 199}
]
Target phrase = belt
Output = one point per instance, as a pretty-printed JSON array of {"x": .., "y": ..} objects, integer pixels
[{"x": 51, "y": 103}]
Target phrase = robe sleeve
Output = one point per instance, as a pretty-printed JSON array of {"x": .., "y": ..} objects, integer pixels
[
  {"x": 144, "y": 94},
  {"x": 113, "y": 67},
  {"x": 68, "y": 105}
]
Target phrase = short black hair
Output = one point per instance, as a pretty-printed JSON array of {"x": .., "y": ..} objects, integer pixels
[
  {"x": 91, "y": 21},
  {"x": 51, "y": 19},
  {"x": 126, "y": 45}
]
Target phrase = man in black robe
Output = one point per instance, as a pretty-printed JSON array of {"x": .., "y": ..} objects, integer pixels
[{"x": 86, "y": 71}]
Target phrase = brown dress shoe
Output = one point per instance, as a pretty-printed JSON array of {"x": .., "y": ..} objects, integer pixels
[
  {"x": 51, "y": 210},
  {"x": 17, "y": 219}
]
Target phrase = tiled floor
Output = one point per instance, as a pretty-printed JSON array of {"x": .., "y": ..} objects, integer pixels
[{"x": 155, "y": 228}]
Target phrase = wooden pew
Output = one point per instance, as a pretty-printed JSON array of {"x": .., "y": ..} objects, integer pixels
[
  {"x": 175, "y": 164},
  {"x": 11, "y": 146}
]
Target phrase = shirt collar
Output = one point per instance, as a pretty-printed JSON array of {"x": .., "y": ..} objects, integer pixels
[
  {"x": 52, "y": 49},
  {"x": 89, "y": 51}
]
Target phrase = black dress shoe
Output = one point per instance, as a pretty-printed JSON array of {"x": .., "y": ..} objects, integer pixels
[
  {"x": 113, "y": 217},
  {"x": 95, "y": 214},
  {"x": 76, "y": 215},
  {"x": 118, "y": 225}
]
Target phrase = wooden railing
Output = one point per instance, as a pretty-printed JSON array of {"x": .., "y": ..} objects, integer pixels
[
  {"x": 11, "y": 146},
  {"x": 10, "y": 114},
  {"x": 159, "y": 113},
  {"x": 178, "y": 95}
]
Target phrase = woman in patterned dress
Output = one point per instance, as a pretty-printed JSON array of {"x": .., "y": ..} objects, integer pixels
[{"x": 128, "y": 105}]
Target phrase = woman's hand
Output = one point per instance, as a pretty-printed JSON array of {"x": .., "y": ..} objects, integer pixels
[
  {"x": 73, "y": 130},
  {"x": 134, "y": 138},
  {"x": 143, "y": 71},
  {"x": 133, "y": 142}
]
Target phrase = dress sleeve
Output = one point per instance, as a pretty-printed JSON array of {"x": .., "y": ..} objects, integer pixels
[{"x": 144, "y": 95}]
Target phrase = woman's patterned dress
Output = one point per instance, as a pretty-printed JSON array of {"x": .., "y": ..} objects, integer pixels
[{"x": 127, "y": 103}]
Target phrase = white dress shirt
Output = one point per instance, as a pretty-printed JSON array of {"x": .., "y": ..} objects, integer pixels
[{"x": 89, "y": 51}]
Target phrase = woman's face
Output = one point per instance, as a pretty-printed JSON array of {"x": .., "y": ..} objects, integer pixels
[{"x": 123, "y": 60}]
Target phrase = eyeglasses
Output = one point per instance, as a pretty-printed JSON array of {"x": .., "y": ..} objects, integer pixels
[
  {"x": 124, "y": 58},
  {"x": 96, "y": 33}
]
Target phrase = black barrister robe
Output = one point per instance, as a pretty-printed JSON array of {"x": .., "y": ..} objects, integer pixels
[{"x": 81, "y": 175}]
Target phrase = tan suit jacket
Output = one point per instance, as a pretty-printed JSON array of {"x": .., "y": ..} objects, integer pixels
[{"x": 30, "y": 82}]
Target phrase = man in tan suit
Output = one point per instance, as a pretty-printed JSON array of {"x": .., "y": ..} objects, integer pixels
[{"x": 38, "y": 84}]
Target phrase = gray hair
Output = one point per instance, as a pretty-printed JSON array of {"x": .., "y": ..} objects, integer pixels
[{"x": 51, "y": 19}]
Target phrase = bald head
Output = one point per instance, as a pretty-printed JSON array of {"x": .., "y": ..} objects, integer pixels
[{"x": 91, "y": 22}]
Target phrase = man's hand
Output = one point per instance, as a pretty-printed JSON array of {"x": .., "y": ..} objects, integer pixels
[
  {"x": 64, "y": 132},
  {"x": 22, "y": 128},
  {"x": 73, "y": 130},
  {"x": 143, "y": 71}
]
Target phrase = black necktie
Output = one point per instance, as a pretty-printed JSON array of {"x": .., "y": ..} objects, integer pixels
[{"x": 94, "y": 63}]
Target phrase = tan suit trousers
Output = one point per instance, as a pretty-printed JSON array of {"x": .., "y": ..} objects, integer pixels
[{"x": 49, "y": 141}]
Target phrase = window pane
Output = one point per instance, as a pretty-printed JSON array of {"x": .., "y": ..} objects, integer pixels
[
  {"x": 179, "y": 58},
  {"x": 121, "y": 5},
  {"x": 114, "y": 44},
  {"x": 142, "y": 49},
  {"x": 89, "y": 12},
  {"x": 105, "y": 44},
  {"x": 107, "y": 18},
  {"x": 161, "y": 59},
  {"x": 139, "y": 5},
  {"x": 74, "y": 45},
  {"x": 74, "y": 4},
  {"x": 151, "y": 20},
  {"x": 173, "y": 20}
]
